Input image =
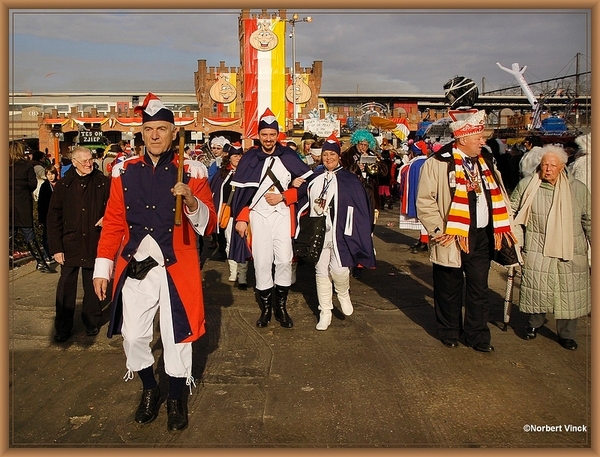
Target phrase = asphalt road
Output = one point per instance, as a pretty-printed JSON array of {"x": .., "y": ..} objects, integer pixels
[{"x": 377, "y": 379}]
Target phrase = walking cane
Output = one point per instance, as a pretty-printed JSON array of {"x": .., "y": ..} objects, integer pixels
[
  {"x": 179, "y": 198},
  {"x": 508, "y": 295}
]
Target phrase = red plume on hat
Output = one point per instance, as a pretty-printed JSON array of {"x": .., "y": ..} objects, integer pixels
[
  {"x": 153, "y": 109},
  {"x": 268, "y": 121},
  {"x": 331, "y": 144}
]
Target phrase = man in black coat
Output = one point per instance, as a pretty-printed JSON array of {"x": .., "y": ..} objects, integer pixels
[{"x": 74, "y": 222}]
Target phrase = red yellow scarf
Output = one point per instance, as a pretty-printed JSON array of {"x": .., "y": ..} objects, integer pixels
[{"x": 459, "y": 217}]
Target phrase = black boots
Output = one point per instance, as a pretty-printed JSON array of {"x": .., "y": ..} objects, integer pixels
[
  {"x": 281, "y": 314},
  {"x": 42, "y": 265},
  {"x": 265, "y": 307},
  {"x": 148, "y": 408}
]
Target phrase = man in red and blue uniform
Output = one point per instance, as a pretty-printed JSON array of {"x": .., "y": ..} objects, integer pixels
[{"x": 155, "y": 262}]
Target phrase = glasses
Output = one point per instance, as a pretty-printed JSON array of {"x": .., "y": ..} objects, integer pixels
[{"x": 84, "y": 162}]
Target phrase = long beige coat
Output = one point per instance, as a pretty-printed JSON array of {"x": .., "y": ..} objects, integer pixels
[{"x": 551, "y": 285}]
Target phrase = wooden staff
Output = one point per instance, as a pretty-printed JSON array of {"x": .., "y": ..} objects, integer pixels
[{"x": 179, "y": 198}]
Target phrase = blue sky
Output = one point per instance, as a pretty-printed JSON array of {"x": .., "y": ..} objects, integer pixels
[{"x": 399, "y": 51}]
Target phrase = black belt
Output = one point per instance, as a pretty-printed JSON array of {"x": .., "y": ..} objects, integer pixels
[{"x": 139, "y": 269}]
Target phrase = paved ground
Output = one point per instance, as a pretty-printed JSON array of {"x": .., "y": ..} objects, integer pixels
[{"x": 379, "y": 378}]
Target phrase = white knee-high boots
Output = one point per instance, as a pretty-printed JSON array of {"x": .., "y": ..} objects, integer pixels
[
  {"x": 325, "y": 295},
  {"x": 342, "y": 289},
  {"x": 233, "y": 268}
]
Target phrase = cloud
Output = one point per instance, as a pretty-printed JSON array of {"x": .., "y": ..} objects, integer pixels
[{"x": 380, "y": 51}]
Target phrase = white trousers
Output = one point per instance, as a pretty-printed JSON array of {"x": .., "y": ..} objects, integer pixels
[
  {"x": 271, "y": 244},
  {"x": 141, "y": 300},
  {"x": 328, "y": 262}
]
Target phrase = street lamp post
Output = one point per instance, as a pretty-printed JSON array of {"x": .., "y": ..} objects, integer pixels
[{"x": 295, "y": 18}]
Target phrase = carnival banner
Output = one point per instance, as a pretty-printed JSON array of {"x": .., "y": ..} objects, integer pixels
[{"x": 264, "y": 72}]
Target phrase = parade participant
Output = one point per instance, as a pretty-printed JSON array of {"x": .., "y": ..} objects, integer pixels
[
  {"x": 363, "y": 147},
  {"x": 43, "y": 204},
  {"x": 532, "y": 156},
  {"x": 223, "y": 193},
  {"x": 409, "y": 182},
  {"x": 305, "y": 144},
  {"x": 462, "y": 203},
  {"x": 555, "y": 212},
  {"x": 22, "y": 182},
  {"x": 216, "y": 147},
  {"x": 313, "y": 159},
  {"x": 265, "y": 206},
  {"x": 581, "y": 167},
  {"x": 338, "y": 195},
  {"x": 75, "y": 220},
  {"x": 156, "y": 264},
  {"x": 386, "y": 181}
]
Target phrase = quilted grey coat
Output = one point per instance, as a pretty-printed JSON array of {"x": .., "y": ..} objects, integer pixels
[{"x": 550, "y": 284}]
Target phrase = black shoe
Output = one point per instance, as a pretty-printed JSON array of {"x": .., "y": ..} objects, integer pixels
[
  {"x": 92, "y": 332},
  {"x": 357, "y": 273},
  {"x": 43, "y": 268},
  {"x": 450, "y": 342},
  {"x": 483, "y": 347},
  {"x": 177, "y": 415},
  {"x": 148, "y": 408},
  {"x": 242, "y": 286},
  {"x": 61, "y": 337},
  {"x": 530, "y": 332},
  {"x": 569, "y": 344}
]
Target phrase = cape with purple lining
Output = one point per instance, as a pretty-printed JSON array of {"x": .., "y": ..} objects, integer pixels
[
  {"x": 246, "y": 181},
  {"x": 357, "y": 248}
]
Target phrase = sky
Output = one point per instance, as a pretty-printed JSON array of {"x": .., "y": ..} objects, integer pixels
[{"x": 376, "y": 51}]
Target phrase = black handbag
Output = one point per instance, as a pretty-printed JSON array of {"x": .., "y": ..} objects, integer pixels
[
  {"x": 309, "y": 242},
  {"x": 507, "y": 255}
]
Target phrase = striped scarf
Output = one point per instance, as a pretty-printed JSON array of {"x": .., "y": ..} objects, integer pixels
[{"x": 459, "y": 217}]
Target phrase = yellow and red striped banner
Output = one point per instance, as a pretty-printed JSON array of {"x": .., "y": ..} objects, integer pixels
[{"x": 264, "y": 76}]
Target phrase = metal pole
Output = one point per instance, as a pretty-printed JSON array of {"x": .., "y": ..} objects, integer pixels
[{"x": 293, "y": 73}]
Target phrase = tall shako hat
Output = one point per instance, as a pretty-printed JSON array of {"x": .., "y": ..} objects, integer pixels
[
  {"x": 153, "y": 110},
  {"x": 331, "y": 144},
  {"x": 268, "y": 121},
  {"x": 233, "y": 149},
  {"x": 467, "y": 122}
]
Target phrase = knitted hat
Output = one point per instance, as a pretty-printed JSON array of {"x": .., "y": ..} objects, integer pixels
[
  {"x": 467, "y": 122},
  {"x": 331, "y": 144},
  {"x": 233, "y": 149},
  {"x": 153, "y": 110},
  {"x": 268, "y": 121}
]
